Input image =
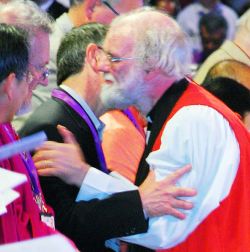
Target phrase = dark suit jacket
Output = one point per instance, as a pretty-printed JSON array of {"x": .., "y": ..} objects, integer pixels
[
  {"x": 90, "y": 223},
  {"x": 56, "y": 10}
]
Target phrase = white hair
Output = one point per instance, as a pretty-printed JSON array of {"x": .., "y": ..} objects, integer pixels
[
  {"x": 26, "y": 15},
  {"x": 160, "y": 42}
]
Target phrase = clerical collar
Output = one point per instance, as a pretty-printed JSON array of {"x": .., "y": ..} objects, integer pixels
[{"x": 99, "y": 125}]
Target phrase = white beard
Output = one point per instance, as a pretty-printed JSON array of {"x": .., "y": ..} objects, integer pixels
[{"x": 131, "y": 90}]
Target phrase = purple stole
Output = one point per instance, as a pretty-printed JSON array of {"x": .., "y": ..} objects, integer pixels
[{"x": 65, "y": 97}]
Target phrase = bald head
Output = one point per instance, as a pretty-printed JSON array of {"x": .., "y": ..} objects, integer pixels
[
  {"x": 244, "y": 21},
  {"x": 232, "y": 69},
  {"x": 242, "y": 34},
  {"x": 165, "y": 49}
]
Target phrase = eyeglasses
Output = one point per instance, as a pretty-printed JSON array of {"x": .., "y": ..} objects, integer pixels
[
  {"x": 111, "y": 8},
  {"x": 114, "y": 59},
  {"x": 43, "y": 70}
]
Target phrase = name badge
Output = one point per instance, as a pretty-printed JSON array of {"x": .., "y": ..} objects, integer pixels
[{"x": 48, "y": 219}]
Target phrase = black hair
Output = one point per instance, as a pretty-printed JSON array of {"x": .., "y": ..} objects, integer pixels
[
  {"x": 231, "y": 92},
  {"x": 213, "y": 21},
  {"x": 71, "y": 53},
  {"x": 14, "y": 51}
]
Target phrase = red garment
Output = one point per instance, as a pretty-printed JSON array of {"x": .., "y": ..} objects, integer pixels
[
  {"x": 120, "y": 131},
  {"x": 22, "y": 220},
  {"x": 227, "y": 228}
]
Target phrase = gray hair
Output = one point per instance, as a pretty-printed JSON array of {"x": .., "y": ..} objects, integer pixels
[
  {"x": 72, "y": 51},
  {"x": 26, "y": 15},
  {"x": 14, "y": 51},
  {"x": 160, "y": 42}
]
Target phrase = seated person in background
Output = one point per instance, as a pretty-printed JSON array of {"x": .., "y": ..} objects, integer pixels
[
  {"x": 22, "y": 220},
  {"x": 171, "y": 7},
  {"x": 237, "y": 49},
  {"x": 232, "y": 69},
  {"x": 76, "y": 105},
  {"x": 213, "y": 31},
  {"x": 233, "y": 94},
  {"x": 189, "y": 18}
]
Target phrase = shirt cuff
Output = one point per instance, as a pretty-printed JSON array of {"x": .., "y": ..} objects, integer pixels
[{"x": 99, "y": 185}]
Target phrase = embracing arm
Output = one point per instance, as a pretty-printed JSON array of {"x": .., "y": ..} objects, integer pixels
[
  {"x": 124, "y": 210},
  {"x": 201, "y": 136},
  {"x": 72, "y": 169}
]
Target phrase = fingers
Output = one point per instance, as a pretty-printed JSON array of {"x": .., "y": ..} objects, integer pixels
[
  {"x": 182, "y": 204},
  {"x": 180, "y": 172},
  {"x": 42, "y": 164},
  {"x": 46, "y": 172},
  {"x": 178, "y": 204},
  {"x": 172, "y": 207},
  {"x": 43, "y": 154},
  {"x": 67, "y": 135},
  {"x": 46, "y": 168},
  {"x": 177, "y": 213},
  {"x": 184, "y": 192}
]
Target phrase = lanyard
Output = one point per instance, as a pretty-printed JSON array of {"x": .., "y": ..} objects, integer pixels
[
  {"x": 131, "y": 117},
  {"x": 30, "y": 168},
  {"x": 60, "y": 94}
]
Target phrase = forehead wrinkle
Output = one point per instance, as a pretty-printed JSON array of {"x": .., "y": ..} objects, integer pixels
[{"x": 119, "y": 42}]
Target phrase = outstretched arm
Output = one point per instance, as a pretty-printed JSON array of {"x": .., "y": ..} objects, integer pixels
[{"x": 66, "y": 161}]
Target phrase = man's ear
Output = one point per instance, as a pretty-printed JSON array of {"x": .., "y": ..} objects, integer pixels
[
  {"x": 92, "y": 56},
  {"x": 8, "y": 85},
  {"x": 90, "y": 5},
  {"x": 89, "y": 13}
]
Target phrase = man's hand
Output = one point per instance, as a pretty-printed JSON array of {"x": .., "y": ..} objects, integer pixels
[
  {"x": 63, "y": 160},
  {"x": 160, "y": 198}
]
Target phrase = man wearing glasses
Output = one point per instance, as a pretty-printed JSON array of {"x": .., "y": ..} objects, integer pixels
[
  {"x": 76, "y": 105},
  {"x": 25, "y": 216},
  {"x": 80, "y": 12},
  {"x": 189, "y": 125}
]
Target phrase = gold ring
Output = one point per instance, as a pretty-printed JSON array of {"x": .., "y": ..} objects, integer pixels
[{"x": 46, "y": 164}]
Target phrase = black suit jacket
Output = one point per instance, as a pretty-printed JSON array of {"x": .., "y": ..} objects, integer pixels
[
  {"x": 90, "y": 223},
  {"x": 56, "y": 10}
]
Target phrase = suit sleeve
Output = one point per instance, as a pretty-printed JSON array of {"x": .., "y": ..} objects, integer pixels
[{"x": 90, "y": 223}]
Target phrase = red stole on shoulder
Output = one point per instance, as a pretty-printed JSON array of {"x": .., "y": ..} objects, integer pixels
[
  {"x": 227, "y": 228},
  {"x": 22, "y": 220}
]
